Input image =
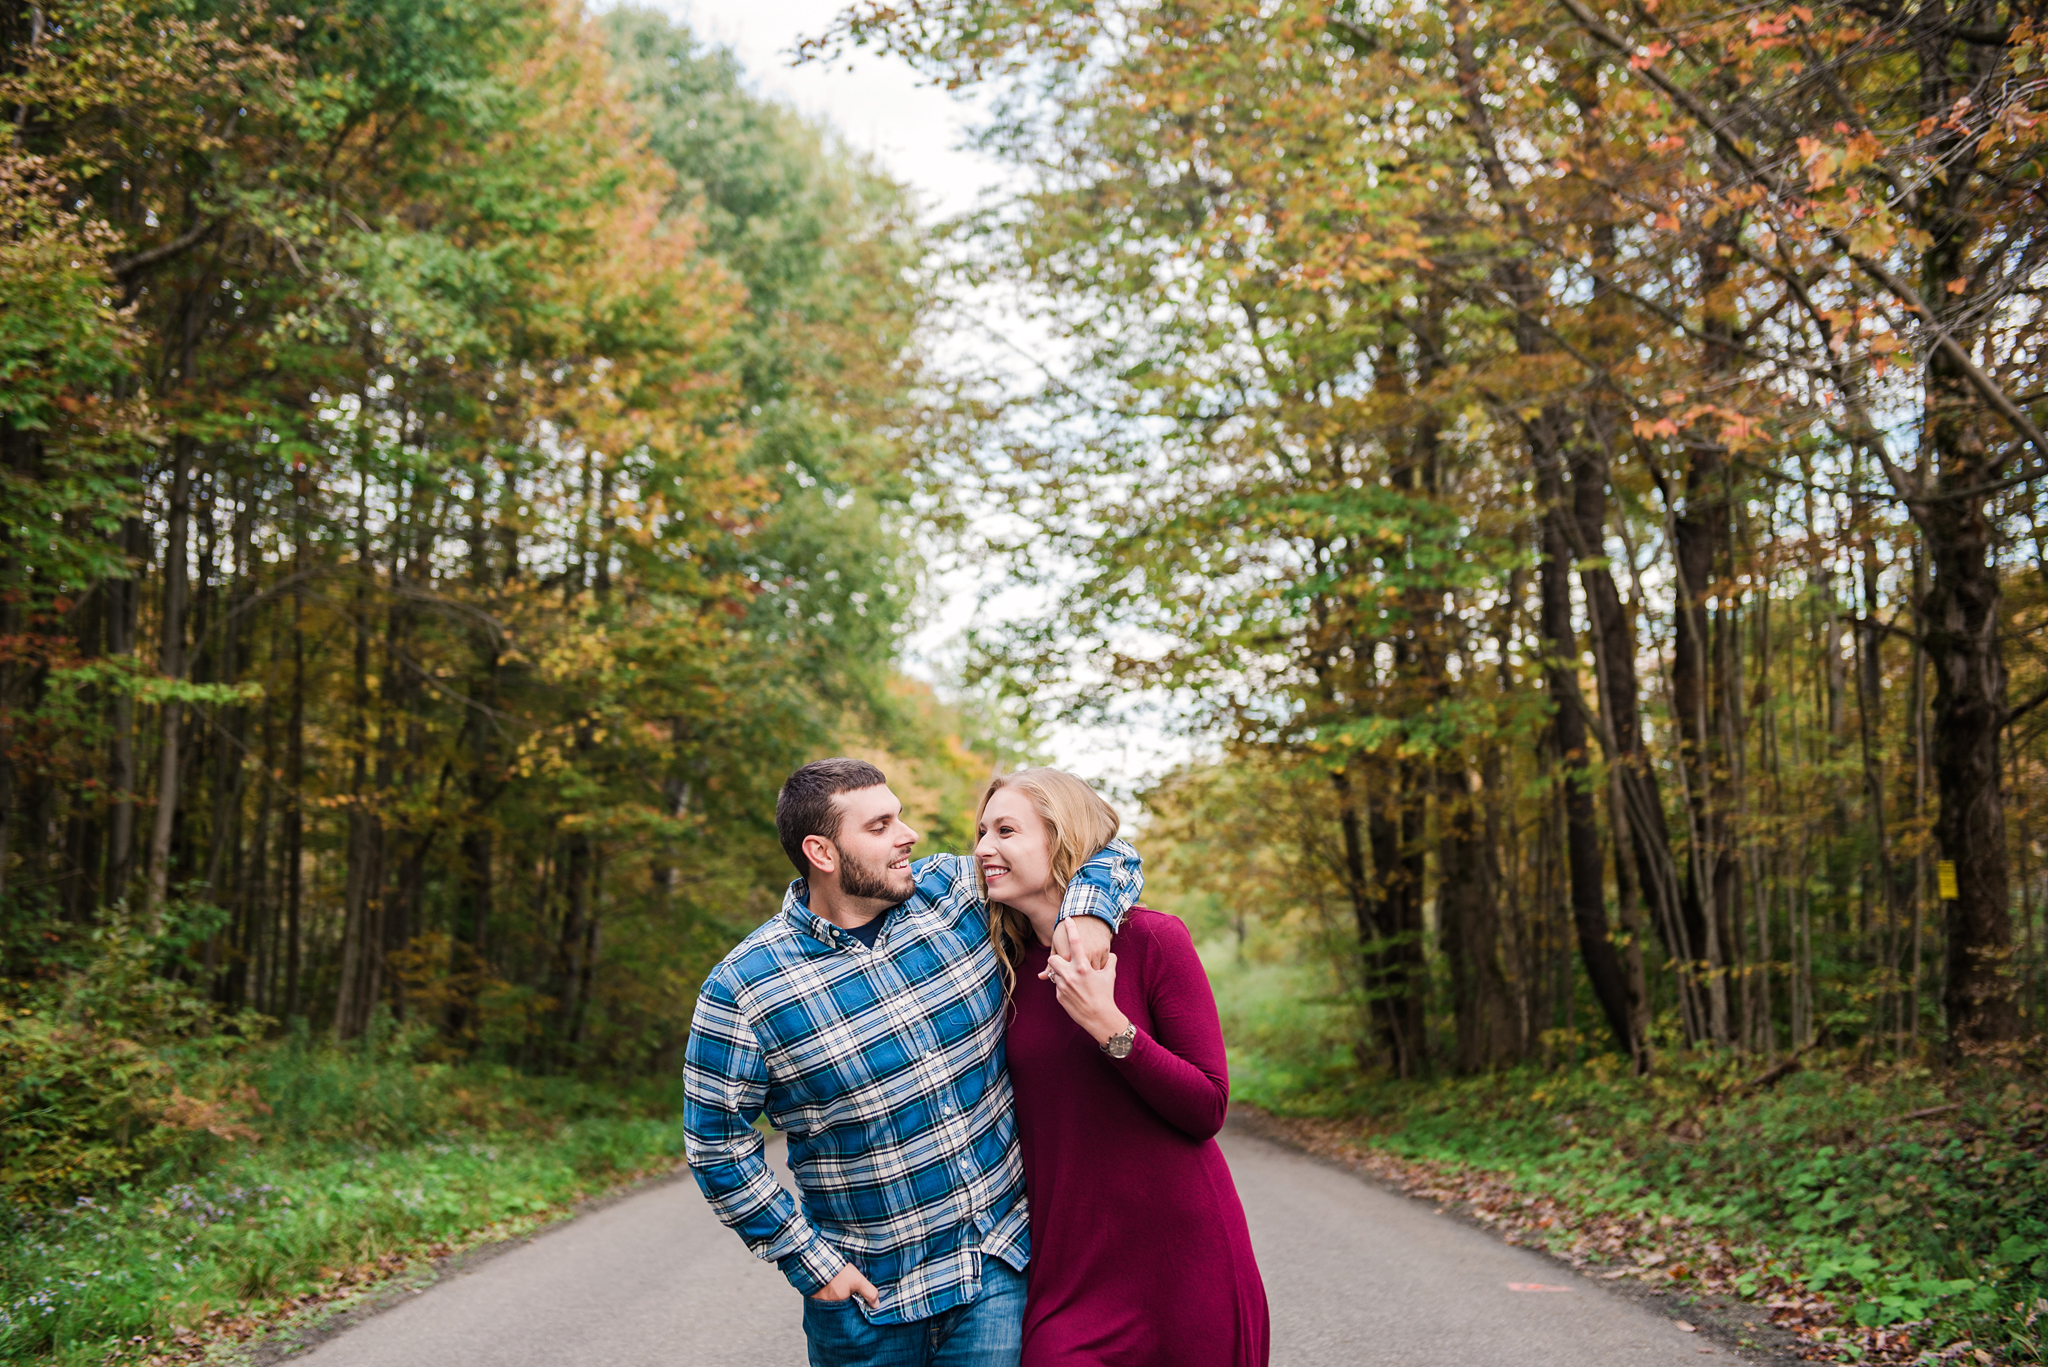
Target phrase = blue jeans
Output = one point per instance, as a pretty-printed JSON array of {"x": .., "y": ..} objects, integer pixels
[{"x": 988, "y": 1331}]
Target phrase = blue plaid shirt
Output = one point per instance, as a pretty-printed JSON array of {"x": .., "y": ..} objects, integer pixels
[{"x": 884, "y": 1068}]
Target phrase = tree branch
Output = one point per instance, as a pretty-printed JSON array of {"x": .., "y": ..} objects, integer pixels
[
  {"x": 1987, "y": 388},
  {"x": 183, "y": 242}
]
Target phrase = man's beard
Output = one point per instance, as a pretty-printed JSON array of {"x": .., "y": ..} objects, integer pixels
[{"x": 874, "y": 881}]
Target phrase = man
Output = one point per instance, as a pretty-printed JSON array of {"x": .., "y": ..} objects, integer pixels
[{"x": 866, "y": 1020}]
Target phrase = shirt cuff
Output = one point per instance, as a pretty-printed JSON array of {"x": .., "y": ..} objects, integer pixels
[
  {"x": 1088, "y": 902},
  {"x": 812, "y": 1266}
]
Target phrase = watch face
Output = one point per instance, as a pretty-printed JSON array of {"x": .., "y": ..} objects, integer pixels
[{"x": 1119, "y": 1046}]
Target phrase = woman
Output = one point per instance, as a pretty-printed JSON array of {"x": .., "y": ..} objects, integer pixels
[{"x": 1139, "y": 1252}]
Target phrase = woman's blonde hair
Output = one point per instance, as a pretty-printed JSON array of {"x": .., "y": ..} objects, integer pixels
[{"x": 1077, "y": 824}]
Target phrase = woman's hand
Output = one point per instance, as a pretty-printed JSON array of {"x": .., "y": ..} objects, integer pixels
[
  {"x": 1088, "y": 994},
  {"x": 1082, "y": 937}
]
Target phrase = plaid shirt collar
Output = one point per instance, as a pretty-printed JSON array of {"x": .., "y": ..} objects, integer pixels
[{"x": 796, "y": 909}]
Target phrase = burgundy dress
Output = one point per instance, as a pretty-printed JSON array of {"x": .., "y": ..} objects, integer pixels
[{"x": 1139, "y": 1252}]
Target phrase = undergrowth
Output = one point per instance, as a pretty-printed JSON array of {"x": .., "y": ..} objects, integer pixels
[
  {"x": 361, "y": 1160},
  {"x": 1912, "y": 1194},
  {"x": 166, "y": 1171}
]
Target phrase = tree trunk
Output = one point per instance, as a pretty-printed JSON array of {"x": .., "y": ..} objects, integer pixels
[
  {"x": 1585, "y": 860},
  {"x": 1962, "y": 613},
  {"x": 171, "y": 661},
  {"x": 1396, "y": 969},
  {"x": 1698, "y": 530},
  {"x": 362, "y": 896},
  {"x": 1969, "y": 714},
  {"x": 1468, "y": 927},
  {"x": 572, "y": 945},
  {"x": 1364, "y": 904}
]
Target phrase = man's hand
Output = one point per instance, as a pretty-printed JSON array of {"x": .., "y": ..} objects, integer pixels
[
  {"x": 1082, "y": 937},
  {"x": 847, "y": 1284}
]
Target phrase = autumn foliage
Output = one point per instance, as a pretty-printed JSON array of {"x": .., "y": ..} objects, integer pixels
[
  {"x": 455, "y": 461},
  {"x": 1582, "y": 460}
]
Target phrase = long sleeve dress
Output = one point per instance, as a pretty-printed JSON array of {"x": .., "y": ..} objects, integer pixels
[{"x": 1139, "y": 1252}]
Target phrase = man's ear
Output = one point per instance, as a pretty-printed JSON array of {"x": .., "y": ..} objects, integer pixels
[{"x": 822, "y": 853}]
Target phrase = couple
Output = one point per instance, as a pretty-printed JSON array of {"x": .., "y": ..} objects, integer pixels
[{"x": 870, "y": 1021}]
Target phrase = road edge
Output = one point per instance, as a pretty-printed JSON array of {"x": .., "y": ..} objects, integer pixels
[
  {"x": 313, "y": 1327},
  {"x": 1725, "y": 1328}
]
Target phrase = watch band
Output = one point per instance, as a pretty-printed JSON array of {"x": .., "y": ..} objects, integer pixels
[{"x": 1120, "y": 1044}]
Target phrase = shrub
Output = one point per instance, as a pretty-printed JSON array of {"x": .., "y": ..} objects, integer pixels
[{"x": 110, "y": 1070}]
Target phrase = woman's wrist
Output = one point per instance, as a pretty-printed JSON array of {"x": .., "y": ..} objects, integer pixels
[{"x": 1109, "y": 1027}]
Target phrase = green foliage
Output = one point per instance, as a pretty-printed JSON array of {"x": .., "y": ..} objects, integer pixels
[
  {"x": 1436, "y": 420},
  {"x": 1832, "y": 1176},
  {"x": 363, "y": 1160},
  {"x": 535, "y": 408},
  {"x": 1290, "y": 1028},
  {"x": 95, "y": 1063}
]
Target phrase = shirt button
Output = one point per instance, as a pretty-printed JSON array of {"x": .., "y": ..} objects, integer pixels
[{"x": 945, "y": 1110}]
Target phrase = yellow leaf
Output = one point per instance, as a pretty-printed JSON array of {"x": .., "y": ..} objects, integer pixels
[{"x": 1863, "y": 150}]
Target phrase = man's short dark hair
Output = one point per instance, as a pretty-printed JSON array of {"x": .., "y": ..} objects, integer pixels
[{"x": 805, "y": 807}]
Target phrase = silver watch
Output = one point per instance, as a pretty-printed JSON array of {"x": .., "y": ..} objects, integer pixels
[{"x": 1119, "y": 1045}]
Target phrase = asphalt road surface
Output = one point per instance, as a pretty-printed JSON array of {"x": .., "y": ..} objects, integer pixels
[{"x": 1356, "y": 1276}]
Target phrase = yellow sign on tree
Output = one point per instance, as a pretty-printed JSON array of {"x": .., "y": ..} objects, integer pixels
[{"x": 1945, "y": 878}]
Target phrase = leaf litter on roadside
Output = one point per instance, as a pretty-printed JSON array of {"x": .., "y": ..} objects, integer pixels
[{"x": 1657, "y": 1250}]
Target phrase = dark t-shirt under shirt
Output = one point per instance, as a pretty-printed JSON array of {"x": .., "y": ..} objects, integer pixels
[{"x": 866, "y": 934}]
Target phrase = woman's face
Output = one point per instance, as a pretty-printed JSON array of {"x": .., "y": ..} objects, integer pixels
[{"x": 1014, "y": 847}]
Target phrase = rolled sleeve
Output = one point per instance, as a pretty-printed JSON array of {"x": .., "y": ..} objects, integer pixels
[{"x": 1107, "y": 886}]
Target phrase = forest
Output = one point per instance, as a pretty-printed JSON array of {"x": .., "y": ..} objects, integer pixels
[
  {"x": 1573, "y": 472},
  {"x": 457, "y": 461},
  {"x": 1580, "y": 464}
]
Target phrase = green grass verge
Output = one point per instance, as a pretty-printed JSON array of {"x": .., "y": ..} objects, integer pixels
[
  {"x": 1844, "y": 1174},
  {"x": 363, "y": 1163}
]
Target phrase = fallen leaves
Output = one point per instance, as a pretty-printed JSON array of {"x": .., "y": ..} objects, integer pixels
[
  {"x": 1651, "y": 1249},
  {"x": 191, "y": 1343},
  {"x": 200, "y": 1337}
]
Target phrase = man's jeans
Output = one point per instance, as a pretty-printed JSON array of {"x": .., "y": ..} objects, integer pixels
[{"x": 988, "y": 1331}]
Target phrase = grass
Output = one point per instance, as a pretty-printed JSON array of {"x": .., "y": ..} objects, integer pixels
[
  {"x": 1911, "y": 1195},
  {"x": 363, "y": 1163}
]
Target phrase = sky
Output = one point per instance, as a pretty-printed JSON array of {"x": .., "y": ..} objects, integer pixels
[{"x": 918, "y": 132}]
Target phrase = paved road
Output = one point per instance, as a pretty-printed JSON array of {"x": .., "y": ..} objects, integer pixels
[{"x": 1356, "y": 1277}]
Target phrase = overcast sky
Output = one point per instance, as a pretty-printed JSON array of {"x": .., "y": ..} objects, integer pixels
[{"x": 919, "y": 134}]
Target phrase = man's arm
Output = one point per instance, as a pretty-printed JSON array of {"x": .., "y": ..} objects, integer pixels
[
  {"x": 1101, "y": 894},
  {"x": 725, "y": 1082},
  {"x": 1107, "y": 886}
]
